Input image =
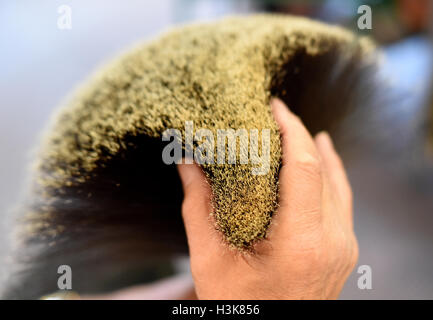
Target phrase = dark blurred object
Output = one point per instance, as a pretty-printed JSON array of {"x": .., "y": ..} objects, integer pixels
[
  {"x": 296, "y": 7},
  {"x": 414, "y": 14},
  {"x": 392, "y": 20}
]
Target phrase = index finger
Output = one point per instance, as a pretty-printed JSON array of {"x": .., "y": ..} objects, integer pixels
[{"x": 301, "y": 172}]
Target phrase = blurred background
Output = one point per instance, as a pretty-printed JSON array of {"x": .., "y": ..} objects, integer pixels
[{"x": 391, "y": 174}]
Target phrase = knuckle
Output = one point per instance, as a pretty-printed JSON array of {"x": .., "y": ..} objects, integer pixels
[
  {"x": 309, "y": 262},
  {"x": 341, "y": 247},
  {"x": 318, "y": 257},
  {"x": 188, "y": 205},
  {"x": 350, "y": 195},
  {"x": 355, "y": 254},
  {"x": 197, "y": 271},
  {"x": 338, "y": 162},
  {"x": 310, "y": 165},
  {"x": 314, "y": 251},
  {"x": 348, "y": 200}
]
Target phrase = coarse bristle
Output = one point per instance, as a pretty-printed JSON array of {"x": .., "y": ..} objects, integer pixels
[{"x": 99, "y": 178}]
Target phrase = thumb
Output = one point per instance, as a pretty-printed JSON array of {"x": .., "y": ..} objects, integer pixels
[{"x": 196, "y": 207}]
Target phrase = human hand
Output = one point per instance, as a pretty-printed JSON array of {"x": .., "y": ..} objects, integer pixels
[{"x": 310, "y": 248}]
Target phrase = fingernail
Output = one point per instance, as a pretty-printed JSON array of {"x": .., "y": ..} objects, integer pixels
[
  {"x": 187, "y": 173},
  {"x": 324, "y": 138},
  {"x": 184, "y": 172},
  {"x": 276, "y": 102}
]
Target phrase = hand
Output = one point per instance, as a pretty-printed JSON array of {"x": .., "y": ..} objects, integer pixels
[{"x": 310, "y": 249}]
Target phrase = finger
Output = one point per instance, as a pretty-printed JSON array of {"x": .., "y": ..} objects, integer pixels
[
  {"x": 300, "y": 175},
  {"x": 296, "y": 141},
  {"x": 196, "y": 207},
  {"x": 335, "y": 171}
]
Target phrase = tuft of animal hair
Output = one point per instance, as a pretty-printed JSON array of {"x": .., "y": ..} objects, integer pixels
[{"x": 103, "y": 201}]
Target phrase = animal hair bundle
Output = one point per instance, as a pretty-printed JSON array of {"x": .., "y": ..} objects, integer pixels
[{"x": 102, "y": 200}]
